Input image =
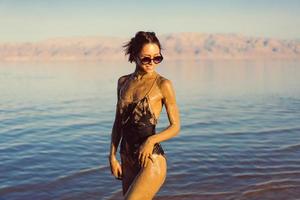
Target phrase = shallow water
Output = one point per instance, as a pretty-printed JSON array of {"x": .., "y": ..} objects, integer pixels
[{"x": 240, "y": 134}]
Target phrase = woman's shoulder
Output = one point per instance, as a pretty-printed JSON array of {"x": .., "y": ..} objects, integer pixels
[
  {"x": 123, "y": 78},
  {"x": 163, "y": 81},
  {"x": 165, "y": 86}
]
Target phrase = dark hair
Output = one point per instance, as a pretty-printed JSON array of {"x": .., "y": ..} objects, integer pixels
[{"x": 135, "y": 45}]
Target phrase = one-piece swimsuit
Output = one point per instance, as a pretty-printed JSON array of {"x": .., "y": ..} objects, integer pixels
[{"x": 138, "y": 123}]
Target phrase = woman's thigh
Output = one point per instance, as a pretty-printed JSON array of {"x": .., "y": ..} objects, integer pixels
[{"x": 149, "y": 180}]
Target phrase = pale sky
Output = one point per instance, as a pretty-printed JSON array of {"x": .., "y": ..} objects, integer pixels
[{"x": 33, "y": 20}]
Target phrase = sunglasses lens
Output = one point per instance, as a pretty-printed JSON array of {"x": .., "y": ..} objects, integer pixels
[
  {"x": 157, "y": 59},
  {"x": 146, "y": 60}
]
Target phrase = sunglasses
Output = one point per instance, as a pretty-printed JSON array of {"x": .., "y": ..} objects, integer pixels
[{"x": 147, "y": 60}]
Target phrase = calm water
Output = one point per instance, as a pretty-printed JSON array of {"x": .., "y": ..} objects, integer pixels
[{"x": 240, "y": 136}]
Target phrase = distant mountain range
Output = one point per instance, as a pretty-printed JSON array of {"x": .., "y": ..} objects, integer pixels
[{"x": 176, "y": 46}]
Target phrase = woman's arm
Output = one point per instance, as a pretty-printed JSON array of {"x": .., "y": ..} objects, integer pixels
[
  {"x": 116, "y": 133},
  {"x": 169, "y": 101},
  {"x": 115, "y": 166}
]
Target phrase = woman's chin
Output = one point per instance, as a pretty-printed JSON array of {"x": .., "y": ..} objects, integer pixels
[{"x": 149, "y": 69}]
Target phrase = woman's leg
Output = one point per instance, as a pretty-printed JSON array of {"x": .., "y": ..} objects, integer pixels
[{"x": 149, "y": 180}]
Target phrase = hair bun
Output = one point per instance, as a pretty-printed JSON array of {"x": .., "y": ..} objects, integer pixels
[{"x": 140, "y": 33}]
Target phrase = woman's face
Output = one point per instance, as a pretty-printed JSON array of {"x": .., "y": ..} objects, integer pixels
[{"x": 149, "y": 50}]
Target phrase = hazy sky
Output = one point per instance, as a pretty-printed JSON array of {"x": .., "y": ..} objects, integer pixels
[{"x": 31, "y": 20}]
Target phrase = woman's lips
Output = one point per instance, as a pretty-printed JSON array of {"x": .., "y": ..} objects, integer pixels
[{"x": 149, "y": 67}]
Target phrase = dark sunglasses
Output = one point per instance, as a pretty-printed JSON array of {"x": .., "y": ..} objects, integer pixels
[{"x": 147, "y": 60}]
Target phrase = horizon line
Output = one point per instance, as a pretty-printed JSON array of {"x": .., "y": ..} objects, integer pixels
[{"x": 162, "y": 34}]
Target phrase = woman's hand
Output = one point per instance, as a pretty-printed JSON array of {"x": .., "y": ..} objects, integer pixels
[
  {"x": 145, "y": 152},
  {"x": 115, "y": 167}
]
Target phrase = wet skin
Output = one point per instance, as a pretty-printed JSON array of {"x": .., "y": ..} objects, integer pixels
[{"x": 146, "y": 183}]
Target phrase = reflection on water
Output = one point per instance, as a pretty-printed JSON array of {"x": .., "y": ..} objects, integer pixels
[{"x": 239, "y": 137}]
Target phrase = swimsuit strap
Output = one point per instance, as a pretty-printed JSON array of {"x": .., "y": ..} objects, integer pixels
[{"x": 150, "y": 88}]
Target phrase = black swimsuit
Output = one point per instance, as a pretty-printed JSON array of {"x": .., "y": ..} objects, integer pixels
[{"x": 138, "y": 123}]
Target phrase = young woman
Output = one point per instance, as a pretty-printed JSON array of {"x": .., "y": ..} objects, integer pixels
[{"x": 141, "y": 96}]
